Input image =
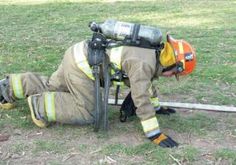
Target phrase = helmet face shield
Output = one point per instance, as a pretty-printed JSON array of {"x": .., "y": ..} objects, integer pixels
[{"x": 167, "y": 56}]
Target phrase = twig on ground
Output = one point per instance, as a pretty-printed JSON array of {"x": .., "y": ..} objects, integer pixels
[
  {"x": 110, "y": 160},
  {"x": 33, "y": 134},
  {"x": 233, "y": 94},
  {"x": 39, "y": 133},
  {"x": 8, "y": 162},
  {"x": 209, "y": 156},
  {"x": 6, "y": 156},
  {"x": 176, "y": 160},
  {"x": 149, "y": 152},
  {"x": 68, "y": 156},
  {"x": 93, "y": 152},
  {"x": 189, "y": 137},
  {"x": 205, "y": 154},
  {"x": 9, "y": 117},
  {"x": 231, "y": 134},
  {"x": 17, "y": 156}
]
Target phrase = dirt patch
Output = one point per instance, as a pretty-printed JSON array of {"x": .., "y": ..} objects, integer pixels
[{"x": 80, "y": 145}]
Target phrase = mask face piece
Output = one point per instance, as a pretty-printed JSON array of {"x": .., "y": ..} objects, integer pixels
[{"x": 167, "y": 56}]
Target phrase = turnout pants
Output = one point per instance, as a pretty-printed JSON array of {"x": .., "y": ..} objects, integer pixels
[{"x": 66, "y": 97}]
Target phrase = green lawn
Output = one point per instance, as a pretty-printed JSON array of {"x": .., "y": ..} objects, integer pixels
[{"x": 34, "y": 36}]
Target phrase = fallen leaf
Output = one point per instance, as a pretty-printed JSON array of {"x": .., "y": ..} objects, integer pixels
[
  {"x": 16, "y": 156},
  {"x": 17, "y": 132},
  {"x": 6, "y": 156},
  {"x": 4, "y": 137}
]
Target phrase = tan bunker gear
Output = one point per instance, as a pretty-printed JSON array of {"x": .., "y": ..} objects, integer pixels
[{"x": 68, "y": 95}]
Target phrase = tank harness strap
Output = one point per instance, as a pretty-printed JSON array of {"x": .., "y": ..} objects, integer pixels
[{"x": 116, "y": 72}]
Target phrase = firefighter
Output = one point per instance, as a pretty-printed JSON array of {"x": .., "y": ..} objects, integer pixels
[{"x": 67, "y": 96}]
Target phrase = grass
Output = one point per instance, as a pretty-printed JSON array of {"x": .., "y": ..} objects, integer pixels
[
  {"x": 198, "y": 124},
  {"x": 155, "y": 155},
  {"x": 17, "y": 117},
  {"x": 147, "y": 151},
  {"x": 35, "y": 34},
  {"x": 226, "y": 154},
  {"x": 44, "y": 35},
  {"x": 19, "y": 147},
  {"x": 49, "y": 146}
]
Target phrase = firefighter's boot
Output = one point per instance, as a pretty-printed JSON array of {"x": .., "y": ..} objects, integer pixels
[
  {"x": 5, "y": 100},
  {"x": 37, "y": 118}
]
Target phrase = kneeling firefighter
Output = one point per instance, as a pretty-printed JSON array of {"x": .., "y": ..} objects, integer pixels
[{"x": 67, "y": 96}]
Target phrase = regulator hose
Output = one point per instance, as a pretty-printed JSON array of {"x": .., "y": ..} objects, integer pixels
[
  {"x": 97, "y": 99},
  {"x": 106, "y": 75}
]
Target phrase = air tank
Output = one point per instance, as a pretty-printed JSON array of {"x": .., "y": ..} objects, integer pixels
[{"x": 118, "y": 30}]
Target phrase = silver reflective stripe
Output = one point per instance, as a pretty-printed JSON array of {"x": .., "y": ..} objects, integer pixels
[
  {"x": 49, "y": 99},
  {"x": 152, "y": 133},
  {"x": 17, "y": 86},
  {"x": 81, "y": 60}
]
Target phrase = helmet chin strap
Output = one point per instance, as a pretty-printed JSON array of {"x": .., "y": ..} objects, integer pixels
[
  {"x": 169, "y": 68},
  {"x": 179, "y": 68},
  {"x": 177, "y": 76}
]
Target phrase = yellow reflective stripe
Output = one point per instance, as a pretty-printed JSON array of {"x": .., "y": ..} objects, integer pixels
[
  {"x": 17, "y": 86},
  {"x": 150, "y": 124},
  {"x": 155, "y": 101},
  {"x": 115, "y": 56},
  {"x": 112, "y": 71},
  {"x": 81, "y": 60},
  {"x": 84, "y": 66},
  {"x": 181, "y": 48},
  {"x": 183, "y": 63},
  {"x": 49, "y": 100},
  {"x": 118, "y": 83}
]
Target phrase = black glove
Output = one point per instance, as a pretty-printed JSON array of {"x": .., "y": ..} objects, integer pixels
[
  {"x": 127, "y": 108},
  {"x": 163, "y": 140},
  {"x": 165, "y": 111}
]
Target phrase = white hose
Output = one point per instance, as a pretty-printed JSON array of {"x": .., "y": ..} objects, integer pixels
[{"x": 207, "y": 107}]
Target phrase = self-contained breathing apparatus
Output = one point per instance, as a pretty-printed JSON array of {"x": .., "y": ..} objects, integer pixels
[{"x": 111, "y": 34}]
